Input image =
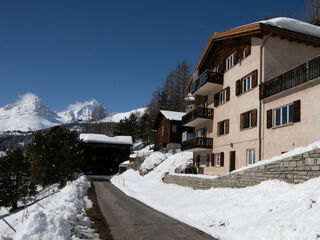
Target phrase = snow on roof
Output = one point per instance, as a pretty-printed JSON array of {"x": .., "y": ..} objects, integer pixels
[
  {"x": 101, "y": 138},
  {"x": 293, "y": 25},
  {"x": 170, "y": 115}
]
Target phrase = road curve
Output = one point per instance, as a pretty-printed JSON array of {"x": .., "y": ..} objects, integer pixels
[{"x": 130, "y": 219}]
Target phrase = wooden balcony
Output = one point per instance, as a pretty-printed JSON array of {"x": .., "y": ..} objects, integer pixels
[
  {"x": 295, "y": 77},
  {"x": 197, "y": 144},
  {"x": 208, "y": 82},
  {"x": 197, "y": 117}
]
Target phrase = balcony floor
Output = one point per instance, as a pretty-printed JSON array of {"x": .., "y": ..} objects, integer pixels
[
  {"x": 208, "y": 88},
  {"x": 198, "y": 122}
]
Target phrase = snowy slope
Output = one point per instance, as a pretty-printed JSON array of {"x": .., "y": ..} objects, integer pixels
[
  {"x": 28, "y": 113},
  {"x": 271, "y": 210},
  {"x": 116, "y": 117},
  {"x": 79, "y": 111}
]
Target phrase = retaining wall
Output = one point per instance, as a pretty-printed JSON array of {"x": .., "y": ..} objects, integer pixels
[{"x": 296, "y": 169}]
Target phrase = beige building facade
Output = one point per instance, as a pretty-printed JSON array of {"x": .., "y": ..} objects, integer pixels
[{"x": 253, "y": 91}]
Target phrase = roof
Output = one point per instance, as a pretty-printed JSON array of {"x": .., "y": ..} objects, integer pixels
[
  {"x": 171, "y": 115},
  {"x": 285, "y": 27},
  {"x": 101, "y": 138}
]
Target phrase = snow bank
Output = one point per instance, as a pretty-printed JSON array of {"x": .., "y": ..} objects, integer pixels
[
  {"x": 153, "y": 160},
  {"x": 63, "y": 216},
  {"x": 101, "y": 138},
  {"x": 270, "y": 210}
]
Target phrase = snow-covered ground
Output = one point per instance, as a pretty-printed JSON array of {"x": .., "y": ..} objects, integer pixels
[
  {"x": 63, "y": 216},
  {"x": 153, "y": 160},
  {"x": 270, "y": 210}
]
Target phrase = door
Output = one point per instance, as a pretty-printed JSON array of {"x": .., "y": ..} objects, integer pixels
[{"x": 232, "y": 165}]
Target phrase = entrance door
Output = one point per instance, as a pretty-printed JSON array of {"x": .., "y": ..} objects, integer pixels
[{"x": 232, "y": 165}]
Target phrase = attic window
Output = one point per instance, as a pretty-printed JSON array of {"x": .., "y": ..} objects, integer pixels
[{"x": 230, "y": 61}]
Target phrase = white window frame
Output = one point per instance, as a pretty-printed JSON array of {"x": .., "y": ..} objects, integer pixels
[
  {"x": 217, "y": 157},
  {"x": 251, "y": 156},
  {"x": 203, "y": 161},
  {"x": 245, "y": 86},
  {"x": 250, "y": 119},
  {"x": 162, "y": 131},
  {"x": 223, "y": 97},
  {"x": 230, "y": 61},
  {"x": 281, "y": 115}
]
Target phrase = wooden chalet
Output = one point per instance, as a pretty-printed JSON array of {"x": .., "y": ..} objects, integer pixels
[
  {"x": 103, "y": 154},
  {"x": 169, "y": 128}
]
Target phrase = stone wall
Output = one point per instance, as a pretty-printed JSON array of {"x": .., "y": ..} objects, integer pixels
[{"x": 296, "y": 169}]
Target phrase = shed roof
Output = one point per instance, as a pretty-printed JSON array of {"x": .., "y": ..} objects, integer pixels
[{"x": 101, "y": 138}]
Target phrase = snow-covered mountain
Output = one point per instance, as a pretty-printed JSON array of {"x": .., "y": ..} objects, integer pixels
[
  {"x": 79, "y": 111},
  {"x": 28, "y": 113},
  {"x": 116, "y": 117}
]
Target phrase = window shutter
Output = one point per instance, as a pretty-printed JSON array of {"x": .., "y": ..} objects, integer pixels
[
  {"x": 246, "y": 120},
  {"x": 198, "y": 160},
  {"x": 221, "y": 159},
  {"x": 269, "y": 118},
  {"x": 212, "y": 159},
  {"x": 208, "y": 160},
  {"x": 227, "y": 126},
  {"x": 238, "y": 87},
  {"x": 296, "y": 111},
  {"x": 235, "y": 57},
  {"x": 218, "y": 128},
  {"x": 194, "y": 162},
  {"x": 240, "y": 54},
  {"x": 227, "y": 94},
  {"x": 248, "y": 50},
  {"x": 255, "y": 78},
  {"x": 254, "y": 118},
  {"x": 216, "y": 99},
  {"x": 242, "y": 120}
]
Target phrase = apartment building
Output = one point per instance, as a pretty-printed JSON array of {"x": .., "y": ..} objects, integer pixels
[{"x": 255, "y": 88}]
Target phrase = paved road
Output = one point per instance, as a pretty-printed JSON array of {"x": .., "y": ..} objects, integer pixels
[{"x": 130, "y": 219}]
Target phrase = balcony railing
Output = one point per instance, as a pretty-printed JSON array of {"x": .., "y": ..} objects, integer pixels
[
  {"x": 198, "y": 112},
  {"x": 197, "y": 142},
  {"x": 292, "y": 78},
  {"x": 208, "y": 76}
]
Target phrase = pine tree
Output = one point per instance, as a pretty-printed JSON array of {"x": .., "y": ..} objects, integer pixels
[{"x": 15, "y": 178}]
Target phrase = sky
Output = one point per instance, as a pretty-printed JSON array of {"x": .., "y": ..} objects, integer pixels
[{"x": 117, "y": 52}]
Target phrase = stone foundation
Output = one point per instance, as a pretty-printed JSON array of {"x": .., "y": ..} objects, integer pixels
[{"x": 296, "y": 169}]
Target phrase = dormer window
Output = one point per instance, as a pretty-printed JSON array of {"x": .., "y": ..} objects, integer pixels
[{"x": 230, "y": 61}]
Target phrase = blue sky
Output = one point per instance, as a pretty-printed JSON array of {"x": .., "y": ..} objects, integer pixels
[{"x": 117, "y": 52}]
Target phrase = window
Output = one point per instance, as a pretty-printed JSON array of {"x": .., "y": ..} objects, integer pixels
[
  {"x": 283, "y": 115},
  {"x": 251, "y": 156},
  {"x": 248, "y": 119},
  {"x": 217, "y": 158},
  {"x": 203, "y": 161},
  {"x": 229, "y": 61},
  {"x": 216, "y": 69},
  {"x": 223, "y": 127},
  {"x": 244, "y": 53},
  {"x": 174, "y": 128},
  {"x": 199, "y": 133},
  {"x": 162, "y": 131},
  {"x": 247, "y": 83},
  {"x": 223, "y": 97}
]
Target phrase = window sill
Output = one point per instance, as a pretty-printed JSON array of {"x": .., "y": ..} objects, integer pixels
[
  {"x": 281, "y": 126},
  {"x": 244, "y": 129},
  {"x": 246, "y": 92},
  {"x": 222, "y": 104},
  {"x": 221, "y": 135}
]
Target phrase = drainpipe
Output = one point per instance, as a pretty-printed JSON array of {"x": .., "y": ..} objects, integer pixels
[{"x": 260, "y": 101}]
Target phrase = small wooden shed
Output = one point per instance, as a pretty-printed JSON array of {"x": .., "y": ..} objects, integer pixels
[
  {"x": 104, "y": 154},
  {"x": 169, "y": 128}
]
